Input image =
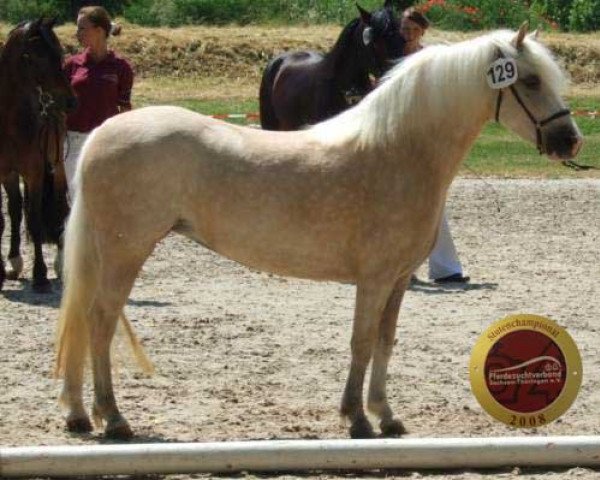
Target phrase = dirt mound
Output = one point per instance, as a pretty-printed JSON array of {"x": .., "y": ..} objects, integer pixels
[
  {"x": 231, "y": 52},
  {"x": 242, "y": 52},
  {"x": 580, "y": 58},
  {"x": 236, "y": 52}
]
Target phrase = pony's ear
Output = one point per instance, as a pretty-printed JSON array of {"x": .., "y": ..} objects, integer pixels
[
  {"x": 50, "y": 22},
  {"x": 364, "y": 15},
  {"x": 518, "y": 40},
  {"x": 32, "y": 27},
  {"x": 535, "y": 34}
]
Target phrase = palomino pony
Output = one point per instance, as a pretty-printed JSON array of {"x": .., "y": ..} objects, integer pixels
[
  {"x": 301, "y": 88},
  {"x": 34, "y": 96},
  {"x": 355, "y": 199}
]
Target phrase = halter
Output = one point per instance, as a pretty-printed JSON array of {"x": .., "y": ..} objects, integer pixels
[
  {"x": 46, "y": 101},
  {"x": 538, "y": 124}
]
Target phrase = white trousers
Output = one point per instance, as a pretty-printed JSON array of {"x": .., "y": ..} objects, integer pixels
[
  {"x": 73, "y": 144},
  {"x": 443, "y": 259}
]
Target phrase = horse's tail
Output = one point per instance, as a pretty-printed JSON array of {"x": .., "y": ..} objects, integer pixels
[
  {"x": 268, "y": 118},
  {"x": 81, "y": 278}
]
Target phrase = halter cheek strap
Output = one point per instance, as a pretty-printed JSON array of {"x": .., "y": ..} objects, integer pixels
[
  {"x": 538, "y": 124},
  {"x": 46, "y": 101}
]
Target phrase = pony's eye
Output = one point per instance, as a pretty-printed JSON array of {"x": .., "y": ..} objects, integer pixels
[{"x": 533, "y": 82}]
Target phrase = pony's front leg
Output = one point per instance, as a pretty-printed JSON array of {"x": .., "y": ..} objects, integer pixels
[
  {"x": 377, "y": 400},
  {"x": 59, "y": 258},
  {"x": 15, "y": 213},
  {"x": 370, "y": 301},
  {"x": 41, "y": 284},
  {"x": 2, "y": 270}
]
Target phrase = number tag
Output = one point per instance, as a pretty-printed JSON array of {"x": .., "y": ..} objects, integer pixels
[{"x": 502, "y": 73}]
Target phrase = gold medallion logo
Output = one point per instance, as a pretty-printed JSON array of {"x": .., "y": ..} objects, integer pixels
[{"x": 525, "y": 371}]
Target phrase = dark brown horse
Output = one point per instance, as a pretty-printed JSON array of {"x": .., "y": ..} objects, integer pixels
[
  {"x": 300, "y": 88},
  {"x": 34, "y": 97}
]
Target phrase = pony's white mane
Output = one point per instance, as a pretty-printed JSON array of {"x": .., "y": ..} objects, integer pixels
[{"x": 435, "y": 81}]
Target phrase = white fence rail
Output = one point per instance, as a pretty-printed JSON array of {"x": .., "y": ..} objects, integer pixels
[{"x": 300, "y": 455}]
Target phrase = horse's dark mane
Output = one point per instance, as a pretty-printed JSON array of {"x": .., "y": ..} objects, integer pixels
[
  {"x": 15, "y": 95},
  {"x": 344, "y": 40},
  {"x": 11, "y": 38},
  {"x": 345, "y": 37},
  {"x": 45, "y": 33}
]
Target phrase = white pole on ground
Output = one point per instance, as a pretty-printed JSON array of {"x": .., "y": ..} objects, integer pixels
[{"x": 300, "y": 455}]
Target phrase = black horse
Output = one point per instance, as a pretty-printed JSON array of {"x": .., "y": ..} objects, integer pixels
[
  {"x": 300, "y": 88},
  {"x": 34, "y": 97}
]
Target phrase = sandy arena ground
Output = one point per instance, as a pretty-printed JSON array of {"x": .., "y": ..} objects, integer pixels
[{"x": 246, "y": 355}]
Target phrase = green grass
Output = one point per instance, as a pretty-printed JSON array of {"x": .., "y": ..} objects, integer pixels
[
  {"x": 497, "y": 152},
  {"x": 208, "y": 107}
]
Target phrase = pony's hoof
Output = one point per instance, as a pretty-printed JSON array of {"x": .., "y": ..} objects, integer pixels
[
  {"x": 118, "y": 431},
  {"x": 393, "y": 428},
  {"x": 42, "y": 287},
  {"x": 361, "y": 428},
  {"x": 16, "y": 264},
  {"x": 58, "y": 265},
  {"x": 12, "y": 275},
  {"x": 79, "y": 425}
]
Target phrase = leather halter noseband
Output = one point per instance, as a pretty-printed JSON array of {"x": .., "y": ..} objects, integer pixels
[{"x": 537, "y": 124}]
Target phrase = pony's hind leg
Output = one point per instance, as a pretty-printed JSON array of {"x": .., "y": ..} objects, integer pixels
[
  {"x": 377, "y": 400},
  {"x": 78, "y": 420},
  {"x": 105, "y": 317},
  {"x": 117, "y": 278},
  {"x": 370, "y": 302},
  {"x": 41, "y": 284}
]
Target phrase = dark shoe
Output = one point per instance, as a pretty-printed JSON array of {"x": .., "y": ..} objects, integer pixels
[
  {"x": 454, "y": 278},
  {"x": 414, "y": 281}
]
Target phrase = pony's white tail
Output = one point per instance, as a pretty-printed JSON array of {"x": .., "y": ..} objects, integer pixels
[
  {"x": 81, "y": 277},
  {"x": 138, "y": 351}
]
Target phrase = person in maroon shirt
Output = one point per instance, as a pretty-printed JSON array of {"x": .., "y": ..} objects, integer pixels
[{"x": 102, "y": 81}]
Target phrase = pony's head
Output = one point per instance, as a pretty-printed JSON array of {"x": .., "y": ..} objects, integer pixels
[
  {"x": 528, "y": 101},
  {"x": 380, "y": 37},
  {"x": 32, "y": 55}
]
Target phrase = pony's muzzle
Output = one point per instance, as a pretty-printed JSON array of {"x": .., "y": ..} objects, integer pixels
[{"x": 563, "y": 142}]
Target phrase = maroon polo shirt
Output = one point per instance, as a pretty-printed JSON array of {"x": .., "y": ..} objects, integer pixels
[{"x": 100, "y": 89}]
